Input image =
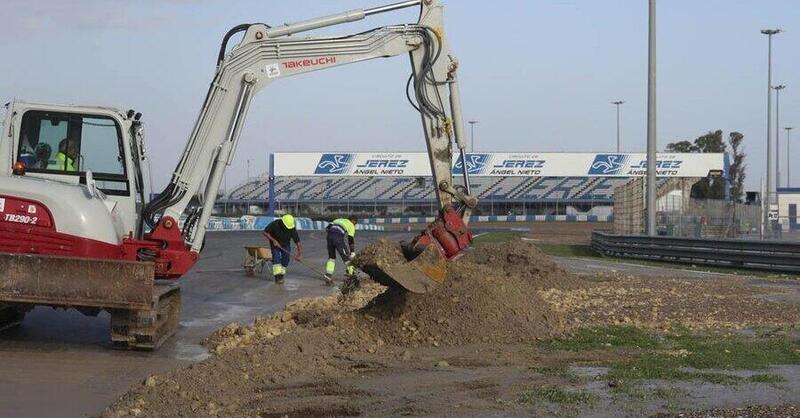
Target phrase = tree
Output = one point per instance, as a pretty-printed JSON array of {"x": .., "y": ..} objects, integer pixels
[
  {"x": 736, "y": 171},
  {"x": 714, "y": 188},
  {"x": 682, "y": 146}
]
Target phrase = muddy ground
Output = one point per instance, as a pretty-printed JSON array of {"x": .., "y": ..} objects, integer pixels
[{"x": 478, "y": 346}]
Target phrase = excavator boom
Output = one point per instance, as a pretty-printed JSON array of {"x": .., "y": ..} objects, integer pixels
[
  {"x": 73, "y": 201},
  {"x": 267, "y": 54}
]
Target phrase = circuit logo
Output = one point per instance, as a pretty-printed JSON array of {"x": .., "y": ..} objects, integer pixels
[
  {"x": 608, "y": 164},
  {"x": 334, "y": 164},
  {"x": 476, "y": 164}
]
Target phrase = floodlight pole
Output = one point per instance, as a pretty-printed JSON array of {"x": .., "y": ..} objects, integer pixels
[
  {"x": 788, "y": 156},
  {"x": 651, "y": 122},
  {"x": 619, "y": 138},
  {"x": 472, "y": 134},
  {"x": 778, "y": 89},
  {"x": 767, "y": 200}
]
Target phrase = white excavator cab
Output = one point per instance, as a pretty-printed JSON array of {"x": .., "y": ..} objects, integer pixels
[{"x": 71, "y": 145}]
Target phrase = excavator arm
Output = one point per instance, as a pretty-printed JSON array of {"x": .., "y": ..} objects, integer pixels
[{"x": 266, "y": 54}]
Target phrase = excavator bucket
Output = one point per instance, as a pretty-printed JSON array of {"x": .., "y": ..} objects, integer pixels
[{"x": 422, "y": 274}]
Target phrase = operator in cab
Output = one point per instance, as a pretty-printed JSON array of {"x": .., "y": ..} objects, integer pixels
[
  {"x": 280, "y": 233},
  {"x": 341, "y": 237},
  {"x": 64, "y": 160}
]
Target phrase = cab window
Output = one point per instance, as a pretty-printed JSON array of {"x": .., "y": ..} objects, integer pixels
[{"x": 72, "y": 144}]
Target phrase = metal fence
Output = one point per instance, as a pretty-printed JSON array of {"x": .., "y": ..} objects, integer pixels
[{"x": 739, "y": 253}]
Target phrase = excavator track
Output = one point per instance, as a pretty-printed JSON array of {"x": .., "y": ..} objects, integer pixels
[{"x": 133, "y": 329}]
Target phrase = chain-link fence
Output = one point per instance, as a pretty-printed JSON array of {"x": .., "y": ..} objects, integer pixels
[
  {"x": 679, "y": 215},
  {"x": 707, "y": 218}
]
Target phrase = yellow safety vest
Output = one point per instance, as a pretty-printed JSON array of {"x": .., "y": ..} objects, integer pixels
[
  {"x": 61, "y": 162},
  {"x": 347, "y": 225}
]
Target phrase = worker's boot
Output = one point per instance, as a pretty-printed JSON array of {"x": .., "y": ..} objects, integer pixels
[{"x": 279, "y": 278}]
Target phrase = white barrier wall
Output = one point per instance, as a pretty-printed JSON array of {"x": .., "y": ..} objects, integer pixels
[{"x": 416, "y": 164}]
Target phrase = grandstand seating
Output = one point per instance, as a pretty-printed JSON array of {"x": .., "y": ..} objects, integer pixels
[{"x": 389, "y": 189}]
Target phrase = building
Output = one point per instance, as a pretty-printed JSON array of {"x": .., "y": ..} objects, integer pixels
[{"x": 788, "y": 203}]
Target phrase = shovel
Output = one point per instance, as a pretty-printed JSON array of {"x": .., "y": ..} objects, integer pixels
[{"x": 319, "y": 275}]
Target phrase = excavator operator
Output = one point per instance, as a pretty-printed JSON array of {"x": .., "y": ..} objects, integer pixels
[
  {"x": 65, "y": 157},
  {"x": 280, "y": 233}
]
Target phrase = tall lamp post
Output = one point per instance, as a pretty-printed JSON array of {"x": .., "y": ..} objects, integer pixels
[
  {"x": 619, "y": 138},
  {"x": 788, "y": 156},
  {"x": 651, "y": 122},
  {"x": 778, "y": 89},
  {"x": 472, "y": 134},
  {"x": 770, "y": 185}
]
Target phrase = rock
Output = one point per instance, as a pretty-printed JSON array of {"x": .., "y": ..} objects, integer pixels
[
  {"x": 406, "y": 355},
  {"x": 136, "y": 412},
  {"x": 442, "y": 364},
  {"x": 286, "y": 316},
  {"x": 150, "y": 382}
]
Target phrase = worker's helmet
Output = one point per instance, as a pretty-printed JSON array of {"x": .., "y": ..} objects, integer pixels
[{"x": 288, "y": 221}]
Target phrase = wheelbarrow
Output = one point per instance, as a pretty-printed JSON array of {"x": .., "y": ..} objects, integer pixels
[{"x": 255, "y": 258}]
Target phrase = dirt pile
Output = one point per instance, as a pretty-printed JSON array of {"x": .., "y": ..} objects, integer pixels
[
  {"x": 302, "y": 313},
  {"x": 489, "y": 298},
  {"x": 381, "y": 252},
  {"x": 616, "y": 298},
  {"x": 490, "y": 295},
  {"x": 454, "y": 351}
]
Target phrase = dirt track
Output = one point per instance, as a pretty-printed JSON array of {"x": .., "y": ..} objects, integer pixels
[{"x": 469, "y": 349}]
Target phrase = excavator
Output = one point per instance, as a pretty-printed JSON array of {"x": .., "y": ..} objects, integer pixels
[{"x": 77, "y": 229}]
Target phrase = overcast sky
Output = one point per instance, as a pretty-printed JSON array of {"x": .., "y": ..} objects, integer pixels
[{"x": 538, "y": 75}]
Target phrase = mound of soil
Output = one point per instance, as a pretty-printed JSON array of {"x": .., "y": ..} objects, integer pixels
[
  {"x": 383, "y": 352},
  {"x": 490, "y": 295},
  {"x": 381, "y": 252}
]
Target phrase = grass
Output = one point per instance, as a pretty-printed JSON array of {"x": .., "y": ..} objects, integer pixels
[
  {"x": 684, "y": 356},
  {"x": 496, "y": 236},
  {"x": 566, "y": 250},
  {"x": 604, "y": 338},
  {"x": 563, "y": 371},
  {"x": 553, "y": 394},
  {"x": 772, "y": 379}
]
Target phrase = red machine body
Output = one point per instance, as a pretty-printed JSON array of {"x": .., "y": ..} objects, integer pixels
[{"x": 448, "y": 232}]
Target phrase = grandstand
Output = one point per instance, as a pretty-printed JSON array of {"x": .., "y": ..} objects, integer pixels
[
  {"x": 410, "y": 192},
  {"x": 408, "y": 196}
]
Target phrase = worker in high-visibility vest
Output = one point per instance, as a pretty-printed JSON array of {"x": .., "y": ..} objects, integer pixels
[
  {"x": 280, "y": 233},
  {"x": 64, "y": 160},
  {"x": 341, "y": 239}
]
